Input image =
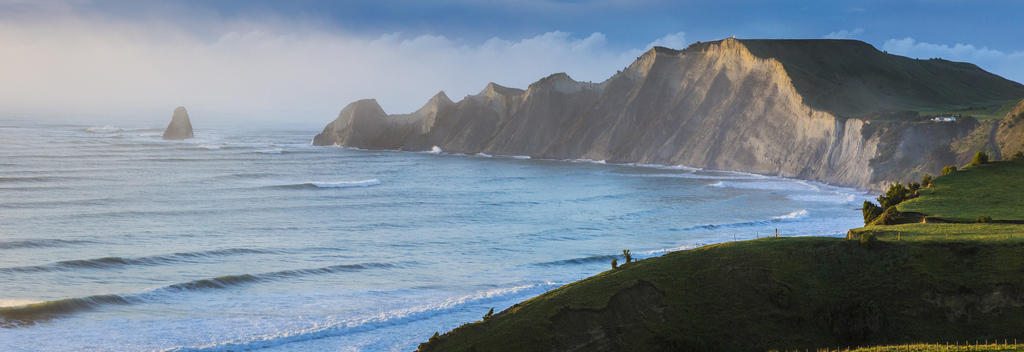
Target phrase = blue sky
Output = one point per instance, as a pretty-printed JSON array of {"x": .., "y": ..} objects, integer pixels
[{"x": 307, "y": 59}]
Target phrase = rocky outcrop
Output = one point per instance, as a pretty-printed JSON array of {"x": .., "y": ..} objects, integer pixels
[
  {"x": 180, "y": 126},
  {"x": 768, "y": 107}
]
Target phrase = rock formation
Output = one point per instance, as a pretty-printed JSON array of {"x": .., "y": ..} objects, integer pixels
[
  {"x": 180, "y": 126},
  {"x": 812, "y": 109}
]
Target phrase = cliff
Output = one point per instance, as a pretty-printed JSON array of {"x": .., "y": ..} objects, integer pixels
[
  {"x": 795, "y": 108},
  {"x": 180, "y": 126}
]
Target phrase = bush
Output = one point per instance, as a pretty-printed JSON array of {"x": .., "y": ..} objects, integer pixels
[
  {"x": 868, "y": 239},
  {"x": 979, "y": 159},
  {"x": 948, "y": 170},
  {"x": 629, "y": 257},
  {"x": 926, "y": 181},
  {"x": 489, "y": 314},
  {"x": 888, "y": 217},
  {"x": 896, "y": 194},
  {"x": 1018, "y": 155},
  {"x": 871, "y": 212},
  {"x": 913, "y": 187},
  {"x": 984, "y": 219},
  {"x": 615, "y": 263}
]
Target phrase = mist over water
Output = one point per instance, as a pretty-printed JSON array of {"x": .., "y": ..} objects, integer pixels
[{"x": 113, "y": 239}]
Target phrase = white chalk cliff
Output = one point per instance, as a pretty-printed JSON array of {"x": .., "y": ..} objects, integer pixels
[{"x": 796, "y": 108}]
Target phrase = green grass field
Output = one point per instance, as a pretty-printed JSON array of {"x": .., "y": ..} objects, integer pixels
[
  {"x": 982, "y": 111},
  {"x": 952, "y": 346},
  {"x": 989, "y": 232},
  {"x": 995, "y": 190}
]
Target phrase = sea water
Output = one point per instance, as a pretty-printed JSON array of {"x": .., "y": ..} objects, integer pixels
[{"x": 113, "y": 239}]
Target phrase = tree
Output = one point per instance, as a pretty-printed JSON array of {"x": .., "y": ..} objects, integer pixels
[
  {"x": 615, "y": 263},
  {"x": 629, "y": 257},
  {"x": 1018, "y": 155},
  {"x": 979, "y": 159},
  {"x": 489, "y": 314},
  {"x": 926, "y": 181},
  {"x": 871, "y": 212},
  {"x": 888, "y": 217},
  {"x": 896, "y": 194},
  {"x": 948, "y": 170},
  {"x": 913, "y": 187}
]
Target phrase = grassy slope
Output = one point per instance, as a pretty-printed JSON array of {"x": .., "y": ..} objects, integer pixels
[
  {"x": 852, "y": 78},
  {"x": 983, "y": 110},
  {"x": 790, "y": 293},
  {"x": 993, "y": 190}
]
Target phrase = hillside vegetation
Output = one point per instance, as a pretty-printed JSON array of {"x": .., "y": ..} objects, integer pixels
[{"x": 889, "y": 286}]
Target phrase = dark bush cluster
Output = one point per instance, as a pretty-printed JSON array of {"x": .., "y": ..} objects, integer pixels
[
  {"x": 948, "y": 170},
  {"x": 871, "y": 212},
  {"x": 888, "y": 217},
  {"x": 894, "y": 195},
  {"x": 980, "y": 158},
  {"x": 868, "y": 239},
  {"x": 1018, "y": 155},
  {"x": 984, "y": 219},
  {"x": 926, "y": 181}
]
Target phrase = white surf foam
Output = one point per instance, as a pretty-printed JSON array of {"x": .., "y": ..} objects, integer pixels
[
  {"x": 435, "y": 150},
  {"x": 104, "y": 129},
  {"x": 371, "y": 322},
  {"x": 799, "y": 214},
  {"x": 269, "y": 151}
]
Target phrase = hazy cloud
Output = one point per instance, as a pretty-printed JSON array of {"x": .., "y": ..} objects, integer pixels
[
  {"x": 267, "y": 69},
  {"x": 844, "y": 34},
  {"x": 1008, "y": 64}
]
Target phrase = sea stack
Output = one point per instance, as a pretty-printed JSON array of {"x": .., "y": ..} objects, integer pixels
[{"x": 180, "y": 127}]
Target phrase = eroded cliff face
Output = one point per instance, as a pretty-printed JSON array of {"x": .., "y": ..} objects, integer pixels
[{"x": 713, "y": 105}]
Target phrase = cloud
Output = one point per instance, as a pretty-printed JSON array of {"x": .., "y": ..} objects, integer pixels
[
  {"x": 1007, "y": 64},
  {"x": 269, "y": 69},
  {"x": 844, "y": 34},
  {"x": 673, "y": 40}
]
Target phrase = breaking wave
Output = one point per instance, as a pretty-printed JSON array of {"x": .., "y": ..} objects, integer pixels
[
  {"x": 42, "y": 243},
  {"x": 117, "y": 262},
  {"x": 799, "y": 214},
  {"x": 581, "y": 260},
  {"x": 29, "y": 314},
  {"x": 340, "y": 184}
]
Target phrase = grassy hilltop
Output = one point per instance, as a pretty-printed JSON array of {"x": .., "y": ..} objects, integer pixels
[{"x": 909, "y": 283}]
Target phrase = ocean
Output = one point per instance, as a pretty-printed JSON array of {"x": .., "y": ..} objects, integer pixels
[{"x": 113, "y": 239}]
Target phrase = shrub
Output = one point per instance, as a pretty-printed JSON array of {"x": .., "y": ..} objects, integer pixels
[
  {"x": 913, "y": 187},
  {"x": 979, "y": 159},
  {"x": 948, "y": 170},
  {"x": 615, "y": 263},
  {"x": 489, "y": 314},
  {"x": 926, "y": 181},
  {"x": 888, "y": 217},
  {"x": 868, "y": 239},
  {"x": 896, "y": 194},
  {"x": 629, "y": 257},
  {"x": 1018, "y": 155},
  {"x": 871, "y": 212},
  {"x": 984, "y": 219}
]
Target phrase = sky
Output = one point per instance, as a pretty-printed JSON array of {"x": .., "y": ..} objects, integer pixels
[{"x": 300, "y": 62}]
